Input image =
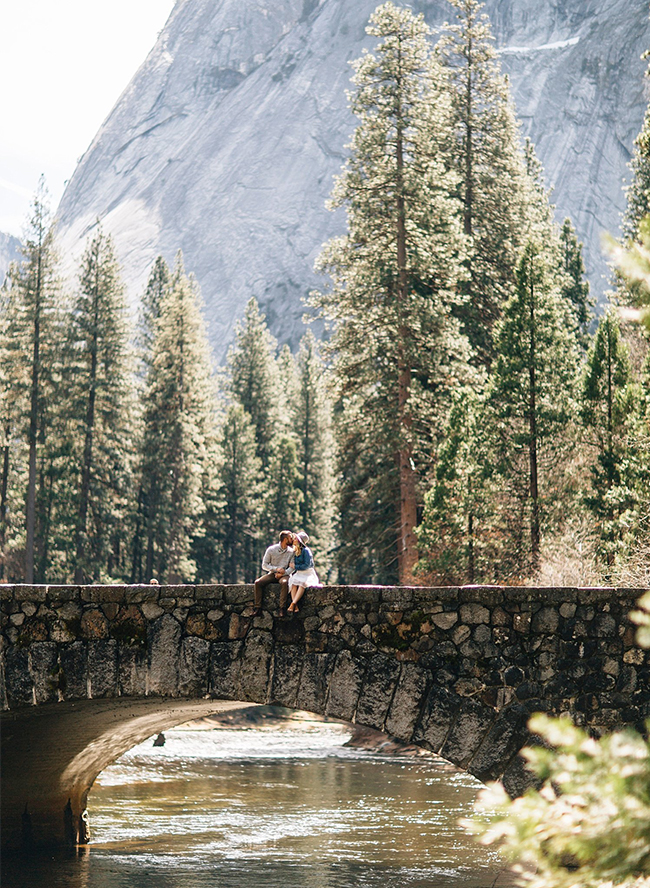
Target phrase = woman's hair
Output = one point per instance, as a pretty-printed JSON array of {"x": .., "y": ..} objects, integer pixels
[{"x": 297, "y": 545}]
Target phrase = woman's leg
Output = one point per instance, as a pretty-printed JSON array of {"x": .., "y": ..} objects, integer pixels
[
  {"x": 292, "y": 592},
  {"x": 297, "y": 595}
]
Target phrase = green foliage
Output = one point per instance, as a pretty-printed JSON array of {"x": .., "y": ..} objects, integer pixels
[
  {"x": 284, "y": 497},
  {"x": 31, "y": 340},
  {"x": 133, "y": 476},
  {"x": 150, "y": 308},
  {"x": 633, "y": 263},
  {"x": 487, "y": 157},
  {"x": 457, "y": 537},
  {"x": 589, "y": 824}
]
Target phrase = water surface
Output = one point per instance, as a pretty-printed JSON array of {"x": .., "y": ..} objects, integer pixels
[{"x": 271, "y": 808}]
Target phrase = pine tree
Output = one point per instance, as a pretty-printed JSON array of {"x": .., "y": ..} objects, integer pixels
[
  {"x": 608, "y": 413},
  {"x": 179, "y": 439},
  {"x": 284, "y": 497},
  {"x": 396, "y": 350},
  {"x": 253, "y": 378},
  {"x": 487, "y": 156},
  {"x": 312, "y": 411},
  {"x": 457, "y": 534},
  {"x": 32, "y": 362},
  {"x": 101, "y": 404},
  {"x": 240, "y": 489},
  {"x": 532, "y": 387},
  {"x": 288, "y": 380},
  {"x": 539, "y": 210},
  {"x": 152, "y": 299},
  {"x": 575, "y": 288}
]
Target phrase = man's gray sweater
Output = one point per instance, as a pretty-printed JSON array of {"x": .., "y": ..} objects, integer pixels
[{"x": 276, "y": 558}]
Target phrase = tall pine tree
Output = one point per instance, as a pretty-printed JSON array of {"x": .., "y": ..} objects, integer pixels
[
  {"x": 253, "y": 378},
  {"x": 396, "y": 349},
  {"x": 101, "y": 403},
  {"x": 532, "y": 390},
  {"x": 32, "y": 366},
  {"x": 179, "y": 439},
  {"x": 608, "y": 414},
  {"x": 575, "y": 288},
  {"x": 240, "y": 478},
  {"x": 152, "y": 299}
]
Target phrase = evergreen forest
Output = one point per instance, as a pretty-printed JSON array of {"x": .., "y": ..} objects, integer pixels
[{"x": 468, "y": 417}]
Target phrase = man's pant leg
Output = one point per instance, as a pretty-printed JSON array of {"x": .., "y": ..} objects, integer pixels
[
  {"x": 259, "y": 586},
  {"x": 284, "y": 591}
]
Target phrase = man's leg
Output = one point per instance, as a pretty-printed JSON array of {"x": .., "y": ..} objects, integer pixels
[
  {"x": 284, "y": 592},
  {"x": 259, "y": 586}
]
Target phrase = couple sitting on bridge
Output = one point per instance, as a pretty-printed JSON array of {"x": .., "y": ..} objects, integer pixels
[{"x": 291, "y": 564}]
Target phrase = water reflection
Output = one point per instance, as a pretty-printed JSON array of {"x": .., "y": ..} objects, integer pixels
[{"x": 274, "y": 809}]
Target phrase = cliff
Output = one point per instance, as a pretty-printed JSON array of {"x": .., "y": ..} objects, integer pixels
[{"x": 226, "y": 141}]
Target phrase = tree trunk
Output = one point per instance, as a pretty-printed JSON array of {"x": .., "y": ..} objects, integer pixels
[{"x": 532, "y": 430}]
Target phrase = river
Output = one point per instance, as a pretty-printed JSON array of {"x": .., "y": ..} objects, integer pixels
[{"x": 271, "y": 807}]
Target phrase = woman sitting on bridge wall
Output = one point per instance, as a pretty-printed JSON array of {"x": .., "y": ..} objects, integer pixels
[{"x": 302, "y": 570}]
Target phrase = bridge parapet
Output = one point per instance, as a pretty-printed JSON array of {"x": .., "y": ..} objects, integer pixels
[{"x": 456, "y": 670}]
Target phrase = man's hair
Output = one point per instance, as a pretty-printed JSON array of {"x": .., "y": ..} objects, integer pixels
[{"x": 284, "y": 535}]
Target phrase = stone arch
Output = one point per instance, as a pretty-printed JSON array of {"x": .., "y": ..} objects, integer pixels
[
  {"x": 87, "y": 672},
  {"x": 57, "y": 750}
]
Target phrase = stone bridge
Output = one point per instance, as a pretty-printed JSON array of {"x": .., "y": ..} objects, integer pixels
[{"x": 90, "y": 671}]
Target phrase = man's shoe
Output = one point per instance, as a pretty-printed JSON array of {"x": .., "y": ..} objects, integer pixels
[
  {"x": 282, "y": 612},
  {"x": 257, "y": 611}
]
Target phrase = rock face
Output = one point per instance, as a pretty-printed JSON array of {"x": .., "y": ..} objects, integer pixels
[
  {"x": 227, "y": 139},
  {"x": 9, "y": 252}
]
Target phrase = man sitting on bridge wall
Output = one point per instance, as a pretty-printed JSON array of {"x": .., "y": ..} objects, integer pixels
[{"x": 275, "y": 564}]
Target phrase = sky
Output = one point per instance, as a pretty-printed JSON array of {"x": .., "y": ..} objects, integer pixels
[{"x": 63, "y": 65}]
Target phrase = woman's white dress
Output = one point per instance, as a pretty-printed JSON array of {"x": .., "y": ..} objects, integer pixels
[{"x": 307, "y": 577}]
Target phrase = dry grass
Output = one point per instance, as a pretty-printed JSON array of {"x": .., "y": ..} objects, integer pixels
[{"x": 571, "y": 560}]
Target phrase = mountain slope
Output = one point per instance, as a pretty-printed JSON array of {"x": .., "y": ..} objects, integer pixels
[{"x": 226, "y": 141}]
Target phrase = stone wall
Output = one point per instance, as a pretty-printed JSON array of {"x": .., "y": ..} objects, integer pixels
[
  {"x": 456, "y": 670},
  {"x": 557, "y": 649}
]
